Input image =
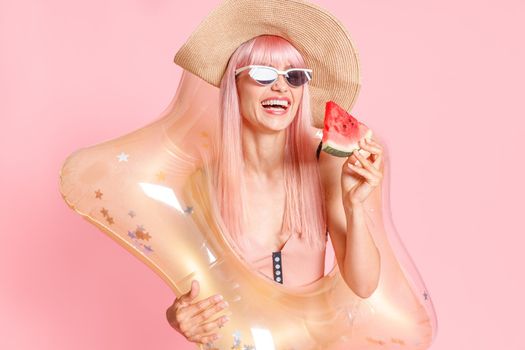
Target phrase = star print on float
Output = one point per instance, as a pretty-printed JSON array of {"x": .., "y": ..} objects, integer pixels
[{"x": 123, "y": 157}]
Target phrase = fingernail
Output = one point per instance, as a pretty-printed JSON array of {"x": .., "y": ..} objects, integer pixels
[
  {"x": 225, "y": 319},
  {"x": 218, "y": 297},
  {"x": 356, "y": 163},
  {"x": 225, "y": 303}
]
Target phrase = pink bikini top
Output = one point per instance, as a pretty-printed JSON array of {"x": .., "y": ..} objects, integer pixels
[{"x": 296, "y": 264}]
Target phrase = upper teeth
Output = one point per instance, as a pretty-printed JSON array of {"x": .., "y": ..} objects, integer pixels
[{"x": 275, "y": 102}]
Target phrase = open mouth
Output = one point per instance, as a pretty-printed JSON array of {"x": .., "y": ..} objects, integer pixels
[{"x": 275, "y": 105}]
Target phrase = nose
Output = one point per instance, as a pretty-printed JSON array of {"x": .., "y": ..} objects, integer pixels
[{"x": 280, "y": 84}]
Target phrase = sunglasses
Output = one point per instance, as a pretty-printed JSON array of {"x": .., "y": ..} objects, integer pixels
[{"x": 265, "y": 75}]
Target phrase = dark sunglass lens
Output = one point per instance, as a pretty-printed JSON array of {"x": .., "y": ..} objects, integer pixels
[{"x": 297, "y": 78}]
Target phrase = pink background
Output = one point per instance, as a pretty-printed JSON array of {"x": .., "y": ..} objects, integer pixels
[{"x": 442, "y": 82}]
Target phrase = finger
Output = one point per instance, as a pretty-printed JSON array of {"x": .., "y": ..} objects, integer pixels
[
  {"x": 204, "y": 338},
  {"x": 213, "y": 303},
  {"x": 202, "y": 311},
  {"x": 371, "y": 179},
  {"x": 186, "y": 299},
  {"x": 352, "y": 158},
  {"x": 375, "y": 144},
  {"x": 214, "y": 325},
  {"x": 210, "y": 338},
  {"x": 371, "y": 173},
  {"x": 366, "y": 163},
  {"x": 368, "y": 147},
  {"x": 360, "y": 170},
  {"x": 377, "y": 161},
  {"x": 208, "y": 327}
]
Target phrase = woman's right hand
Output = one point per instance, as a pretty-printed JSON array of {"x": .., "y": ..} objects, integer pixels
[{"x": 193, "y": 319}]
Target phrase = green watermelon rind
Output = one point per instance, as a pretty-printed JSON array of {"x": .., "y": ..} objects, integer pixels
[{"x": 336, "y": 152}]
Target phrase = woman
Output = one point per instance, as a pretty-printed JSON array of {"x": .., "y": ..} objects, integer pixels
[{"x": 271, "y": 190}]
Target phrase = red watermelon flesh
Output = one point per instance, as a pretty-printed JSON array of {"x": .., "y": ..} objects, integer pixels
[{"x": 342, "y": 132}]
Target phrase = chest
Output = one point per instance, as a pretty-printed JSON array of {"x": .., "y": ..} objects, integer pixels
[{"x": 265, "y": 212}]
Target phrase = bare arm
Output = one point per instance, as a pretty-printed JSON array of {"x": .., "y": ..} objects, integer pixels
[
  {"x": 361, "y": 258},
  {"x": 357, "y": 255}
]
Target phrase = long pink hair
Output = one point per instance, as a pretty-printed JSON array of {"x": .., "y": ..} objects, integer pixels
[{"x": 304, "y": 209}]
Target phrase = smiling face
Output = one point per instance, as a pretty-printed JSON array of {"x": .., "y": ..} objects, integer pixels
[{"x": 252, "y": 95}]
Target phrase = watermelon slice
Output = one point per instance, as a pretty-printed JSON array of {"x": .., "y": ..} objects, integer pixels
[{"x": 342, "y": 132}]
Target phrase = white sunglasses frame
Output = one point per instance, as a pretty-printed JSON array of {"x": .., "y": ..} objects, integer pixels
[{"x": 279, "y": 72}]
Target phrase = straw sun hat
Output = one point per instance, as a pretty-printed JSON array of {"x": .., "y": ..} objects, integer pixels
[{"x": 321, "y": 39}]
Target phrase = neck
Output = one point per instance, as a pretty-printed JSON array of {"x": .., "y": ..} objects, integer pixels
[{"x": 263, "y": 154}]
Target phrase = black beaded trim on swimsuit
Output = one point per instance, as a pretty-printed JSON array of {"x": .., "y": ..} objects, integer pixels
[{"x": 277, "y": 267}]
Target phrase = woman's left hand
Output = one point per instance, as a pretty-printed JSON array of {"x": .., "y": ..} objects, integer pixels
[{"x": 355, "y": 189}]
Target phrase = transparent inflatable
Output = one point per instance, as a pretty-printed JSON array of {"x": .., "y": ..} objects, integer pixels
[{"x": 147, "y": 191}]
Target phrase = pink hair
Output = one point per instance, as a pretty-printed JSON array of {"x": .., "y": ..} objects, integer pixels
[{"x": 304, "y": 209}]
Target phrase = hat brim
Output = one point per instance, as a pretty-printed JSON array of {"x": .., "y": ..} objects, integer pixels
[{"x": 321, "y": 39}]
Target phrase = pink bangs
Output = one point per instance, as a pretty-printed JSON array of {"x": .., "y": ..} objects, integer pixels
[{"x": 270, "y": 49}]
